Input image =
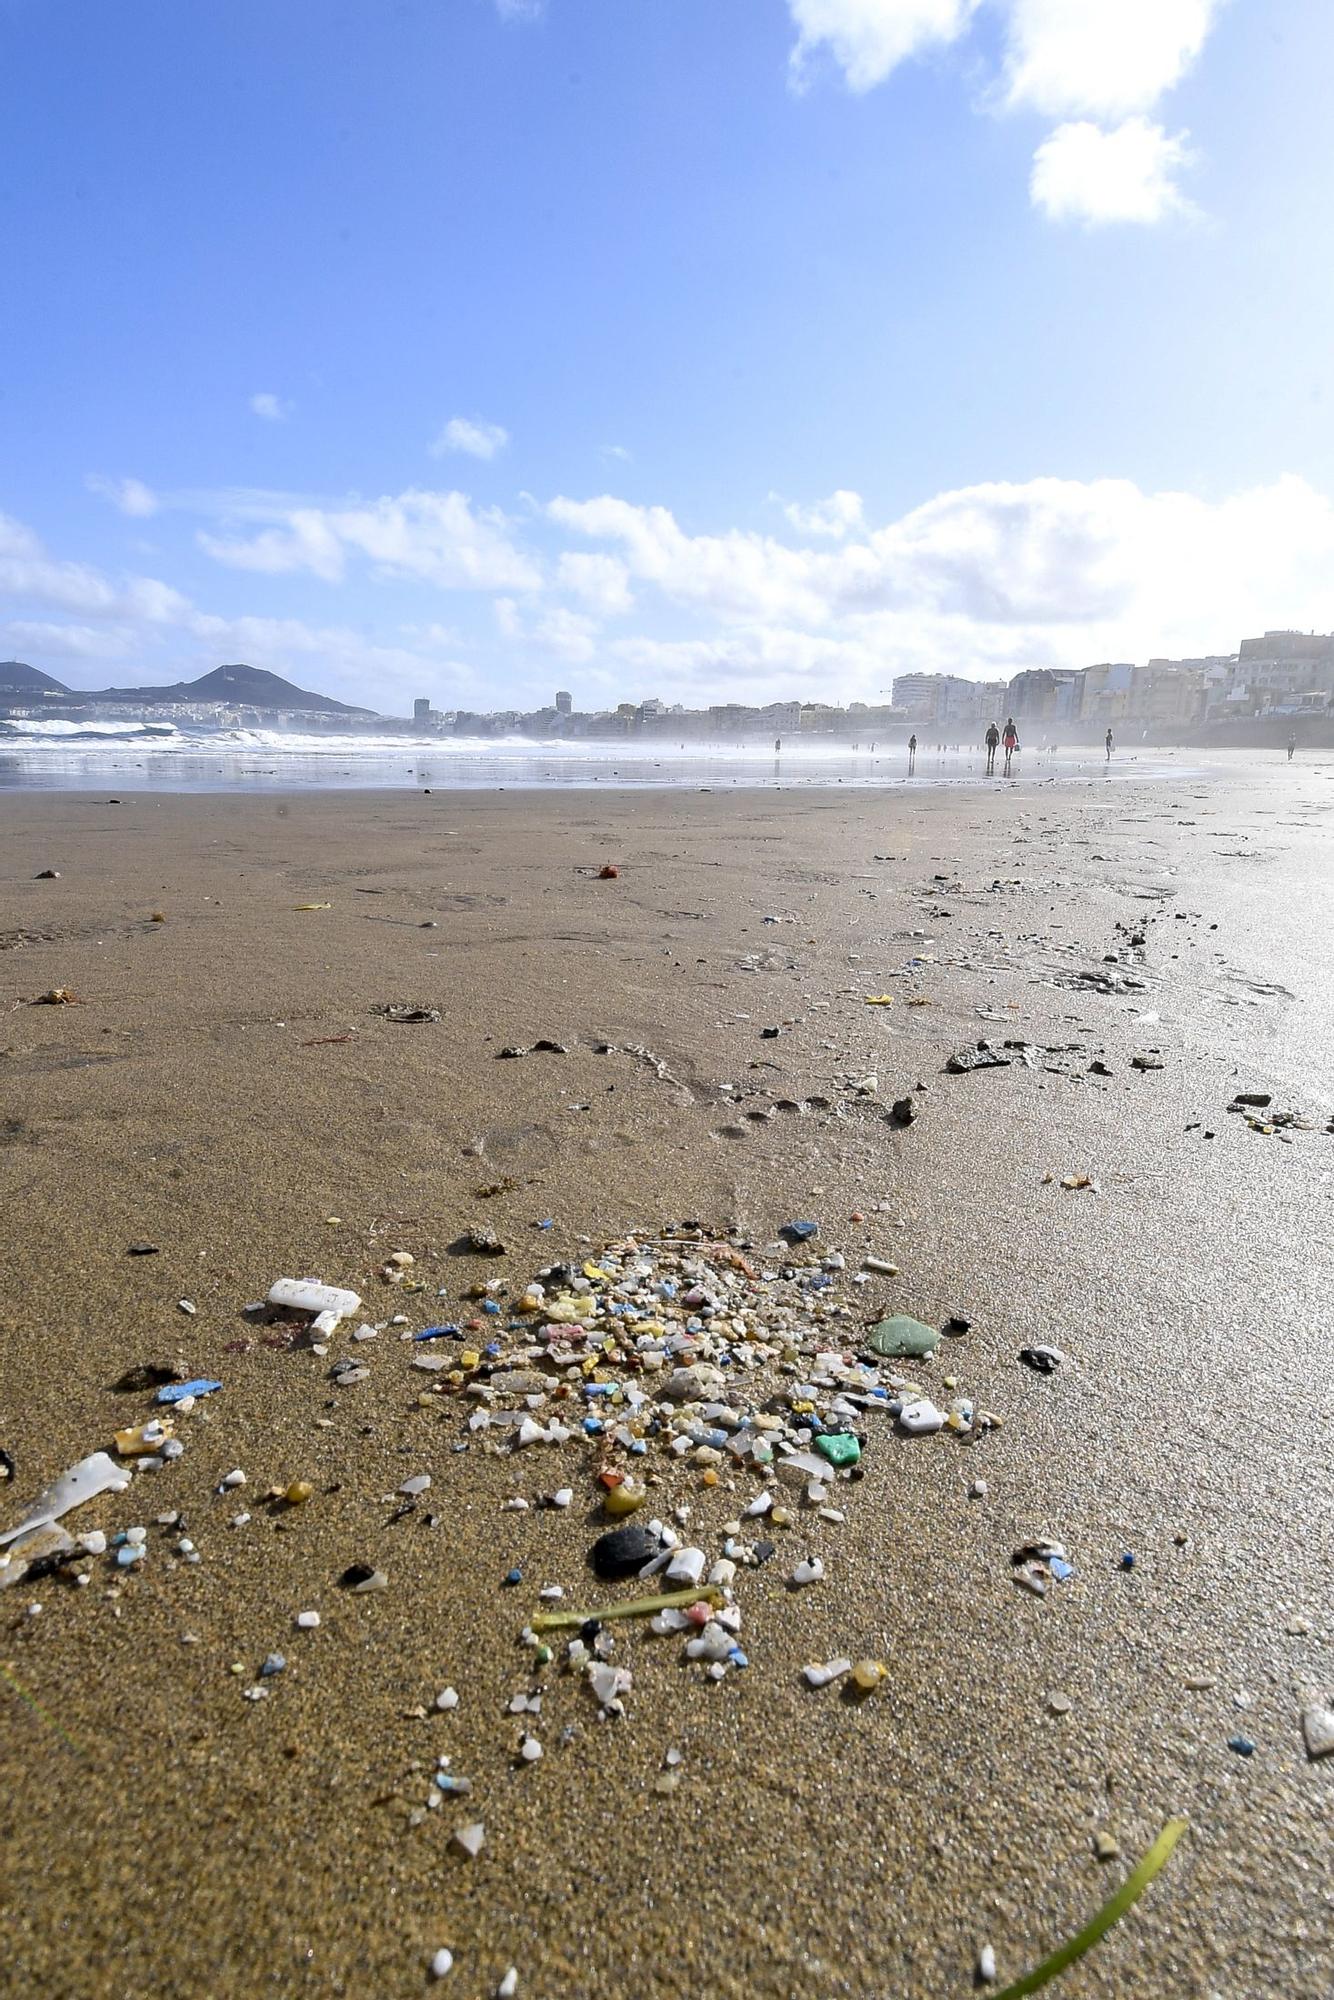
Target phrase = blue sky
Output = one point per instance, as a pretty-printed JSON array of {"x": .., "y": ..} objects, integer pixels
[{"x": 699, "y": 348}]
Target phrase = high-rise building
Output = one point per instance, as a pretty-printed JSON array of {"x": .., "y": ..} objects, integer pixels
[
  {"x": 564, "y": 702},
  {"x": 421, "y": 708}
]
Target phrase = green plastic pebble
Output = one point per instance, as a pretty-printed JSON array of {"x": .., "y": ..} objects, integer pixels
[
  {"x": 839, "y": 1450},
  {"x": 901, "y": 1336}
]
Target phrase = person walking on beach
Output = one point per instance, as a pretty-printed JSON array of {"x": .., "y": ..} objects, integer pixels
[
  {"x": 1011, "y": 741},
  {"x": 912, "y": 754},
  {"x": 1292, "y": 745},
  {"x": 993, "y": 743},
  {"x": 1108, "y": 746}
]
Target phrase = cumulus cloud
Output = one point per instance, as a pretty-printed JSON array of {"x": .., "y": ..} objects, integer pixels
[
  {"x": 470, "y": 435},
  {"x": 839, "y": 515},
  {"x": 1084, "y": 174},
  {"x": 1048, "y": 571},
  {"x": 1101, "y": 58},
  {"x": 618, "y": 453},
  {"x": 440, "y": 538},
  {"x": 1099, "y": 65},
  {"x": 131, "y": 496},
  {"x": 272, "y": 408},
  {"x": 980, "y": 580},
  {"x": 869, "y": 38}
]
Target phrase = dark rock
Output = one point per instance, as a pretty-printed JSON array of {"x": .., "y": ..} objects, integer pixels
[
  {"x": 623, "y": 1551},
  {"x": 142, "y": 1250},
  {"x": 902, "y": 1111},
  {"x": 982, "y": 1057}
]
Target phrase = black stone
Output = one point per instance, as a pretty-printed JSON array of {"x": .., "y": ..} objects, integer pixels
[{"x": 623, "y": 1551}]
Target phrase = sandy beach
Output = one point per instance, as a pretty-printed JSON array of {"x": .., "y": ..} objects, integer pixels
[{"x": 225, "y": 1086}]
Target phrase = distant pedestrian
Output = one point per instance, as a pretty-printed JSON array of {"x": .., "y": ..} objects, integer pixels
[
  {"x": 1108, "y": 745},
  {"x": 912, "y": 754},
  {"x": 1292, "y": 745},
  {"x": 1011, "y": 741},
  {"x": 993, "y": 744}
]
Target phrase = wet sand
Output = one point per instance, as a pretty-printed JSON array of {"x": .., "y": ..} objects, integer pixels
[{"x": 163, "y": 1836}]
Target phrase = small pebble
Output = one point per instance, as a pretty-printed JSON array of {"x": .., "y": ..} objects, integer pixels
[
  {"x": 508, "y": 1986},
  {"x": 1105, "y": 1846},
  {"x": 1059, "y": 1704},
  {"x": 986, "y": 1965},
  {"x": 447, "y": 1698},
  {"x": 1242, "y": 1745},
  {"x": 308, "y": 1621},
  {"x": 469, "y": 1839},
  {"x": 442, "y": 1963}
]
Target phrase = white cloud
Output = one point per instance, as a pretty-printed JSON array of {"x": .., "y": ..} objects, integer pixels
[
  {"x": 272, "y": 408},
  {"x": 980, "y": 580},
  {"x": 617, "y": 452},
  {"x": 869, "y": 38},
  {"x": 1101, "y": 58},
  {"x": 839, "y": 515},
  {"x": 470, "y": 435},
  {"x": 438, "y": 537},
  {"x": 987, "y": 577},
  {"x": 1077, "y": 60},
  {"x": 131, "y": 496},
  {"x": 1083, "y": 174},
  {"x": 519, "y": 10},
  {"x": 603, "y": 582}
]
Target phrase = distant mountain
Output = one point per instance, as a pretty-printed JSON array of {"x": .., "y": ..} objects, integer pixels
[
  {"x": 240, "y": 686},
  {"x": 18, "y": 682}
]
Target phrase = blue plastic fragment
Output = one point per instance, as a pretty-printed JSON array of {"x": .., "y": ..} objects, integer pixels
[
  {"x": 549, "y": 1223},
  {"x": 1060, "y": 1570},
  {"x": 175, "y": 1392},
  {"x": 802, "y": 1231},
  {"x": 593, "y": 1425},
  {"x": 274, "y": 1664},
  {"x": 738, "y": 1658},
  {"x": 1127, "y": 1559},
  {"x": 512, "y": 1577},
  {"x": 1242, "y": 1745},
  {"x": 490, "y": 1306},
  {"x": 435, "y": 1332}
]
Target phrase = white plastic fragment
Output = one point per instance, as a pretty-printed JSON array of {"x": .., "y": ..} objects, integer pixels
[
  {"x": 443, "y": 1963},
  {"x": 921, "y": 1417},
  {"x": 470, "y": 1838},
  {"x": 809, "y": 1571},
  {"x": 530, "y": 1750},
  {"x": 304, "y": 1295},
  {"x": 986, "y": 1965},
  {"x": 686, "y": 1566},
  {"x": 417, "y": 1484},
  {"x": 820, "y": 1675},
  {"x": 447, "y": 1698},
  {"x": 230, "y": 1479},
  {"x": 509, "y": 1985},
  {"x": 564, "y": 1497},
  {"x": 96, "y": 1474},
  {"x": 759, "y": 1506},
  {"x": 308, "y": 1621}
]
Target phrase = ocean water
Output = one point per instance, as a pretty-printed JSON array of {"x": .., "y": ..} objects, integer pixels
[{"x": 102, "y": 756}]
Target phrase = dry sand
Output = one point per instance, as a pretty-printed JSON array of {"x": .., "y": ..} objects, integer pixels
[{"x": 163, "y": 1836}]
